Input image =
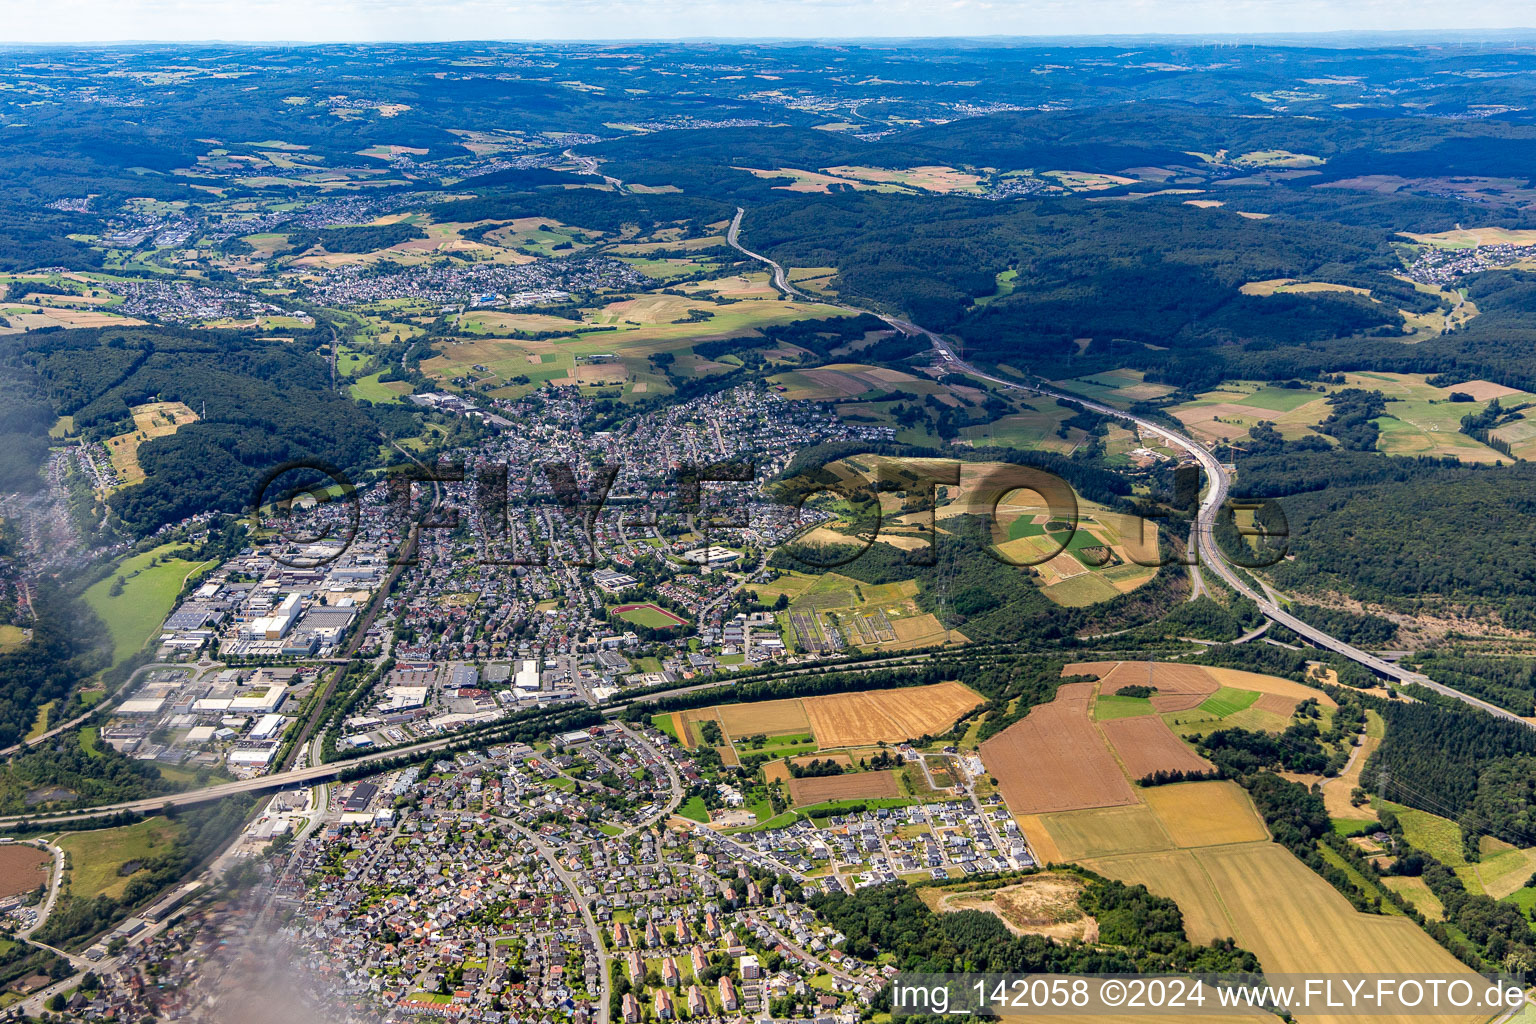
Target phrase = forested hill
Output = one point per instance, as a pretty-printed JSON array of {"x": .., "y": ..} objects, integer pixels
[
  {"x": 1405, "y": 532},
  {"x": 261, "y": 403}
]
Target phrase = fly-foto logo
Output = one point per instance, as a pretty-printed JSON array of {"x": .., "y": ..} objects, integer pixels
[{"x": 313, "y": 506}]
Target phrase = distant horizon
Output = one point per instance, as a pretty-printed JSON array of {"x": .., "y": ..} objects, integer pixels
[
  {"x": 397, "y": 22},
  {"x": 1421, "y": 36}
]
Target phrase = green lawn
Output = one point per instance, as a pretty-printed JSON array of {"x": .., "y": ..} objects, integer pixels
[
  {"x": 664, "y": 723},
  {"x": 650, "y": 615},
  {"x": 694, "y": 808},
  {"x": 147, "y": 596},
  {"x": 1227, "y": 701}
]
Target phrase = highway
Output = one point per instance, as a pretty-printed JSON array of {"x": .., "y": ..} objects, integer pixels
[{"x": 1204, "y": 548}]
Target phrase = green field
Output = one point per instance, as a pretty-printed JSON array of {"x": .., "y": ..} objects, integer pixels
[
  {"x": 371, "y": 389},
  {"x": 95, "y": 857},
  {"x": 147, "y": 596},
  {"x": 664, "y": 723},
  {"x": 1227, "y": 701},
  {"x": 694, "y": 808},
  {"x": 648, "y": 615},
  {"x": 1115, "y": 706}
]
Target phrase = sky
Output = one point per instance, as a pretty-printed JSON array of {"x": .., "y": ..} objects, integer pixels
[{"x": 64, "y": 21}]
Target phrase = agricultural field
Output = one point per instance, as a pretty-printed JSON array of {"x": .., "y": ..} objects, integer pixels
[
  {"x": 1056, "y": 759},
  {"x": 1033, "y": 429},
  {"x": 1119, "y": 388},
  {"x": 1420, "y": 419},
  {"x": 155, "y": 419},
  {"x": 1145, "y": 745},
  {"x": 800, "y": 727},
  {"x": 611, "y": 345},
  {"x": 1472, "y": 238},
  {"x": 778, "y": 771},
  {"x": 889, "y": 716},
  {"x": 1104, "y": 832},
  {"x": 1079, "y": 561},
  {"x": 849, "y": 786},
  {"x": 814, "y": 181},
  {"x": 929, "y": 178},
  {"x": 1502, "y": 871},
  {"x": 135, "y": 612},
  {"x": 1205, "y": 813},
  {"x": 768, "y": 718},
  {"x": 864, "y": 615},
  {"x": 23, "y": 868},
  {"x": 1200, "y": 843}
]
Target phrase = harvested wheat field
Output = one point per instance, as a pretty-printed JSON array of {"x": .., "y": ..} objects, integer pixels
[
  {"x": 1275, "y": 704},
  {"x": 1177, "y": 875},
  {"x": 765, "y": 717},
  {"x": 1206, "y": 813},
  {"x": 857, "y": 786},
  {"x": 1106, "y": 832},
  {"x": 1240, "y": 680},
  {"x": 1146, "y": 745},
  {"x": 1056, "y": 759},
  {"x": 888, "y": 716},
  {"x": 688, "y": 722}
]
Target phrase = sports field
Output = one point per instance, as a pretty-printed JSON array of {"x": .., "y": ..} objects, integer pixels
[{"x": 648, "y": 615}]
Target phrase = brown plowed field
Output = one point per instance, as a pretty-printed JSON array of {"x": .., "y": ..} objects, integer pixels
[
  {"x": 23, "y": 868},
  {"x": 858, "y": 786},
  {"x": 1179, "y": 687},
  {"x": 1276, "y": 704},
  {"x": 1056, "y": 759},
  {"x": 1146, "y": 745},
  {"x": 889, "y": 716}
]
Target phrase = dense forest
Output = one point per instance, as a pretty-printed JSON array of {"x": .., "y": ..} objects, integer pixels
[
  {"x": 1405, "y": 532},
  {"x": 67, "y": 645},
  {"x": 261, "y": 403}
]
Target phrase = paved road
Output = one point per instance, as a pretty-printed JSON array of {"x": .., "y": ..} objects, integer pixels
[
  {"x": 780, "y": 279},
  {"x": 55, "y": 884},
  {"x": 1220, "y": 481}
]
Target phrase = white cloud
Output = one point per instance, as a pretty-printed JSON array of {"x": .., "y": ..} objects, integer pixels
[{"x": 437, "y": 20}]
